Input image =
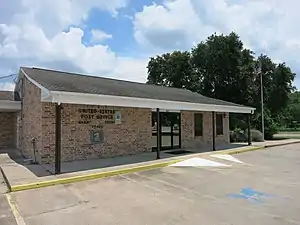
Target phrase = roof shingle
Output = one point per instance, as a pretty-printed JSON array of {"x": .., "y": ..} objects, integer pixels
[{"x": 71, "y": 82}]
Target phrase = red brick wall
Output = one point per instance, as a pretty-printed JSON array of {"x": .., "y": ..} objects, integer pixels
[
  {"x": 204, "y": 142},
  {"x": 7, "y": 95},
  {"x": 132, "y": 136},
  {"x": 31, "y": 120},
  {"x": 7, "y": 130}
]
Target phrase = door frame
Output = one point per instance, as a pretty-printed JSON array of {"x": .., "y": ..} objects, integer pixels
[{"x": 172, "y": 134}]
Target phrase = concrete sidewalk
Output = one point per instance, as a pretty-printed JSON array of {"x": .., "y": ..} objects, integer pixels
[
  {"x": 33, "y": 176},
  {"x": 82, "y": 165}
]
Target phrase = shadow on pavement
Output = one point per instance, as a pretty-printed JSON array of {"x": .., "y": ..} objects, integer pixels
[
  {"x": 12, "y": 160},
  {"x": 17, "y": 167},
  {"x": 83, "y": 165}
]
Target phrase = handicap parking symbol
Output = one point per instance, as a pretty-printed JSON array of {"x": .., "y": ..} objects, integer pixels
[{"x": 251, "y": 195}]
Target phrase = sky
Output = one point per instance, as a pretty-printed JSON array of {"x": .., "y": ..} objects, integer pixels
[{"x": 115, "y": 38}]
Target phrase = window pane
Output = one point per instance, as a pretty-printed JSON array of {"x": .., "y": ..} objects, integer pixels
[
  {"x": 219, "y": 124},
  {"x": 198, "y": 124}
]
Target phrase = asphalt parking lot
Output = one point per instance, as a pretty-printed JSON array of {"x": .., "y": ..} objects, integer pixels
[
  {"x": 6, "y": 215},
  {"x": 262, "y": 190}
]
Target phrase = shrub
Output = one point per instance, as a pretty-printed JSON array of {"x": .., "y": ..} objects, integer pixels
[
  {"x": 256, "y": 135},
  {"x": 237, "y": 135},
  {"x": 271, "y": 128}
]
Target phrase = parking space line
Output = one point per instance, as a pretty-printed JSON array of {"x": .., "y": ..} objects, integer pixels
[
  {"x": 153, "y": 188},
  {"x": 15, "y": 210},
  {"x": 181, "y": 188}
]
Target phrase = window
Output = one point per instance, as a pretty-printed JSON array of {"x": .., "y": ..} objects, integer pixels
[
  {"x": 198, "y": 124},
  {"x": 219, "y": 124}
]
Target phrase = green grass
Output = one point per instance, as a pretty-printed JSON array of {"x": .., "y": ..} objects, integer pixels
[
  {"x": 290, "y": 129},
  {"x": 287, "y": 135}
]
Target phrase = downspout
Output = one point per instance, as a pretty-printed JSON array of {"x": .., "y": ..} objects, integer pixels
[
  {"x": 33, "y": 141},
  {"x": 58, "y": 109},
  {"x": 58, "y": 138},
  {"x": 213, "y": 132},
  {"x": 158, "y": 128}
]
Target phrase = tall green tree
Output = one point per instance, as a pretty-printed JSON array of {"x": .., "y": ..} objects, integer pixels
[
  {"x": 291, "y": 116},
  {"x": 222, "y": 68},
  {"x": 225, "y": 68},
  {"x": 172, "y": 70}
]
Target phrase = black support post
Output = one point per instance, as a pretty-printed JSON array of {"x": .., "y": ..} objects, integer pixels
[
  {"x": 58, "y": 139},
  {"x": 158, "y": 133},
  {"x": 249, "y": 129},
  {"x": 213, "y": 132}
]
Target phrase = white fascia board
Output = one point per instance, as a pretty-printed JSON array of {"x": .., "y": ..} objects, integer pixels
[
  {"x": 9, "y": 106},
  {"x": 110, "y": 100},
  {"x": 166, "y": 110}
]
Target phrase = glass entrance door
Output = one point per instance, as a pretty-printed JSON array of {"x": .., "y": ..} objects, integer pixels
[{"x": 170, "y": 130}]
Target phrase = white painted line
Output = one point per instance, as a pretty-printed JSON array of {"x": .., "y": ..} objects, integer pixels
[
  {"x": 15, "y": 210},
  {"x": 194, "y": 162},
  {"x": 227, "y": 157}
]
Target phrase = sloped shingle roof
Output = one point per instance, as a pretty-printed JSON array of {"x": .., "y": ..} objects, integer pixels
[{"x": 71, "y": 82}]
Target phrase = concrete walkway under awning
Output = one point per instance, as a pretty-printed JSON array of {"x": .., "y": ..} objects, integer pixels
[
  {"x": 75, "y": 166},
  {"x": 82, "y": 165},
  {"x": 18, "y": 174}
]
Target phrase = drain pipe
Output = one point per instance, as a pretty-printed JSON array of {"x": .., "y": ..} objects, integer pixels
[{"x": 33, "y": 141}]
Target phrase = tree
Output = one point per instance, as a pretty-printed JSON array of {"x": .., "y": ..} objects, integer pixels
[
  {"x": 281, "y": 87},
  {"x": 291, "y": 116},
  {"x": 172, "y": 70},
  {"x": 219, "y": 63},
  {"x": 277, "y": 85},
  {"x": 222, "y": 68}
]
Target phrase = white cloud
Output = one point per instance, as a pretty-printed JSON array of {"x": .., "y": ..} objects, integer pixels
[
  {"x": 99, "y": 35},
  {"x": 7, "y": 86},
  {"x": 34, "y": 36},
  {"x": 53, "y": 15},
  {"x": 38, "y": 33},
  {"x": 266, "y": 26},
  {"x": 172, "y": 25}
]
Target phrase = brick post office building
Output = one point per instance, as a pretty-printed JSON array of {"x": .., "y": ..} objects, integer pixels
[{"x": 65, "y": 117}]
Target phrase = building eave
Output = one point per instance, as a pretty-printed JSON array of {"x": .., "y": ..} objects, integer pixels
[
  {"x": 121, "y": 101},
  {"x": 10, "y": 106}
]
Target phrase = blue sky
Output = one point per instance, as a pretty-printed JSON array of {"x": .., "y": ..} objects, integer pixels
[{"x": 116, "y": 38}]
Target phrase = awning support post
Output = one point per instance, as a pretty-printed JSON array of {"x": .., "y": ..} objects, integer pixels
[
  {"x": 58, "y": 109},
  {"x": 158, "y": 133},
  {"x": 249, "y": 129},
  {"x": 213, "y": 132}
]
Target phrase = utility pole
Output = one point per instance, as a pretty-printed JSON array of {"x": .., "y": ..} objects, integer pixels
[{"x": 262, "y": 100}]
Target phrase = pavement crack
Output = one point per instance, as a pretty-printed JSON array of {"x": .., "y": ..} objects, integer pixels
[{"x": 54, "y": 210}]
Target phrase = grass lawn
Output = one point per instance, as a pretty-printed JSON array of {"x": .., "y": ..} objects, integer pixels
[{"x": 287, "y": 135}]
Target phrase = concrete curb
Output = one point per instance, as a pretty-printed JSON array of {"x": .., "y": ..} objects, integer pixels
[
  {"x": 97, "y": 175},
  {"x": 282, "y": 144},
  {"x": 93, "y": 176},
  {"x": 5, "y": 179},
  {"x": 237, "y": 151}
]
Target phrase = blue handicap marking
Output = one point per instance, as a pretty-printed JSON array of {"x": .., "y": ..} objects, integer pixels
[{"x": 251, "y": 195}]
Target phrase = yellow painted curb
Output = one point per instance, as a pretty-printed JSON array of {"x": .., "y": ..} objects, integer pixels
[
  {"x": 68, "y": 180},
  {"x": 241, "y": 150},
  {"x": 98, "y": 175}
]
